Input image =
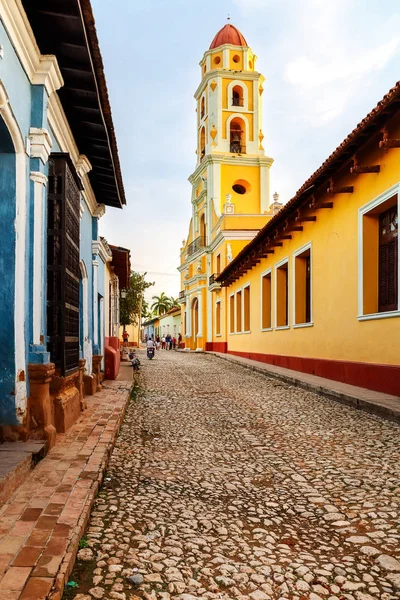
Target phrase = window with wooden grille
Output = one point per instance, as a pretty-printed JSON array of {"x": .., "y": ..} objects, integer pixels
[
  {"x": 266, "y": 321},
  {"x": 63, "y": 263},
  {"x": 378, "y": 261},
  {"x": 388, "y": 260},
  {"x": 246, "y": 308},
  {"x": 218, "y": 318},
  {"x": 302, "y": 283},
  {"x": 282, "y": 295},
  {"x": 238, "y": 312},
  {"x": 232, "y": 314}
]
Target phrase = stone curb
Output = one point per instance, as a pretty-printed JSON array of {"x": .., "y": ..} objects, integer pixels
[
  {"x": 387, "y": 412},
  {"x": 68, "y": 562}
]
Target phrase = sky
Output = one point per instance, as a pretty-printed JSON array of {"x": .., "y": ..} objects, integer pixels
[{"x": 326, "y": 63}]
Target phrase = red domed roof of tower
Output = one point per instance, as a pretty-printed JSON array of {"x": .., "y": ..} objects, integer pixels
[{"x": 229, "y": 34}]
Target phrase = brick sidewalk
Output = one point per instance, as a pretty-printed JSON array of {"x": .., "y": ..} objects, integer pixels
[
  {"x": 385, "y": 405},
  {"x": 42, "y": 523}
]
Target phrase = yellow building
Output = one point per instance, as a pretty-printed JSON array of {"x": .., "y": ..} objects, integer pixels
[
  {"x": 317, "y": 290},
  {"x": 230, "y": 184}
]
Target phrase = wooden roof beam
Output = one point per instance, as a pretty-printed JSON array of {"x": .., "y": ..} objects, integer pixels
[
  {"x": 357, "y": 169},
  {"x": 386, "y": 142}
]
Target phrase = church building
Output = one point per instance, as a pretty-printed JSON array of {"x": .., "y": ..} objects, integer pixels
[
  {"x": 230, "y": 184},
  {"x": 312, "y": 285}
]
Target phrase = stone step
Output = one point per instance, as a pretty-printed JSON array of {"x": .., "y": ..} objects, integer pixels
[{"x": 17, "y": 459}]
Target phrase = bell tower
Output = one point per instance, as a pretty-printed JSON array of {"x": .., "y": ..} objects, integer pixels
[
  {"x": 229, "y": 120},
  {"x": 230, "y": 184}
]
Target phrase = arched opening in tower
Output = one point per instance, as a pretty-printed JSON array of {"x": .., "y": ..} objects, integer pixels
[
  {"x": 237, "y": 137},
  {"x": 237, "y": 96},
  {"x": 202, "y": 142}
]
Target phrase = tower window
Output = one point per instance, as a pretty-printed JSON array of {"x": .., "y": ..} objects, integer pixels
[
  {"x": 237, "y": 96},
  {"x": 236, "y": 58},
  {"x": 237, "y": 136},
  {"x": 202, "y": 109},
  {"x": 202, "y": 142},
  {"x": 241, "y": 186},
  {"x": 217, "y": 60}
]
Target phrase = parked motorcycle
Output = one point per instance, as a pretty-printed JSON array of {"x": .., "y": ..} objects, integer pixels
[
  {"x": 150, "y": 353},
  {"x": 135, "y": 362}
]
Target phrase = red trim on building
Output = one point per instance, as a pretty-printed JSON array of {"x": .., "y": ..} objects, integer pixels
[
  {"x": 372, "y": 376},
  {"x": 216, "y": 347}
]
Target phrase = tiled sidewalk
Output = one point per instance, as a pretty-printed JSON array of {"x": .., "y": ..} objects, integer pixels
[
  {"x": 385, "y": 405},
  {"x": 42, "y": 523}
]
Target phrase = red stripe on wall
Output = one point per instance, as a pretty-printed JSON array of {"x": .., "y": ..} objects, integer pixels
[
  {"x": 372, "y": 376},
  {"x": 216, "y": 347}
]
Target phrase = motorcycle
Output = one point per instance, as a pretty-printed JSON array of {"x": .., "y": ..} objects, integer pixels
[{"x": 150, "y": 353}]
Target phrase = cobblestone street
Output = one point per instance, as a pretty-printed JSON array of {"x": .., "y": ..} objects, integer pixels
[{"x": 226, "y": 484}]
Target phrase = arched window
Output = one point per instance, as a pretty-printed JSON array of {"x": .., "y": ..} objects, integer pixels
[
  {"x": 237, "y": 96},
  {"x": 202, "y": 142},
  {"x": 203, "y": 107},
  {"x": 203, "y": 230},
  {"x": 237, "y": 136}
]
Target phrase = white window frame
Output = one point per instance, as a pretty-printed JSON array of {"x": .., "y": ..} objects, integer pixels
[
  {"x": 234, "y": 314},
  {"x": 395, "y": 189},
  {"x": 220, "y": 320},
  {"x": 276, "y": 267},
  {"x": 264, "y": 274},
  {"x": 245, "y": 96},
  {"x": 295, "y": 325},
  {"x": 241, "y": 311},
  {"x": 243, "y": 288}
]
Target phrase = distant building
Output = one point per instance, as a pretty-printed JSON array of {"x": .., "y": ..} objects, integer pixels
[{"x": 59, "y": 170}]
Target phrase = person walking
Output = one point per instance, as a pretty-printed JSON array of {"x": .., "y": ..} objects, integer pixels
[
  {"x": 174, "y": 342},
  {"x": 163, "y": 343}
]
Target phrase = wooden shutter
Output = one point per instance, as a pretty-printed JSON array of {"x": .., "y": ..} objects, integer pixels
[
  {"x": 63, "y": 263},
  {"x": 388, "y": 260}
]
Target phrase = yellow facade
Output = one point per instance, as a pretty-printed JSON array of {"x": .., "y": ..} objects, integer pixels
[
  {"x": 344, "y": 333},
  {"x": 230, "y": 185}
]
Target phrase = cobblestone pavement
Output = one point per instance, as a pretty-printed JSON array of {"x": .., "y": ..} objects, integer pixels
[{"x": 226, "y": 484}]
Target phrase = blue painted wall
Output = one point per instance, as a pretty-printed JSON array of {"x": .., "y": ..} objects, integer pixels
[
  {"x": 29, "y": 105},
  {"x": 7, "y": 287},
  {"x": 16, "y": 83},
  {"x": 85, "y": 252}
]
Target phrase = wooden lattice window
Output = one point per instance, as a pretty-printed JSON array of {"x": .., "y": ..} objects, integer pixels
[
  {"x": 63, "y": 263},
  {"x": 388, "y": 260}
]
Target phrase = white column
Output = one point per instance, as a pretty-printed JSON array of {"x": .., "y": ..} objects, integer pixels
[
  {"x": 188, "y": 332},
  {"x": 95, "y": 303},
  {"x": 40, "y": 181},
  {"x": 264, "y": 188},
  {"x": 102, "y": 332},
  {"x": 225, "y": 58},
  {"x": 200, "y": 314}
]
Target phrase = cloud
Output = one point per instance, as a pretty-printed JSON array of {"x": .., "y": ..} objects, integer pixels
[{"x": 306, "y": 72}]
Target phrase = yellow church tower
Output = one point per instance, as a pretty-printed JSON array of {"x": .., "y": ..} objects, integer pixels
[{"x": 230, "y": 185}]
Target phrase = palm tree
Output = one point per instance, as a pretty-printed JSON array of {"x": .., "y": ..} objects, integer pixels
[
  {"x": 174, "y": 302},
  {"x": 161, "y": 304}
]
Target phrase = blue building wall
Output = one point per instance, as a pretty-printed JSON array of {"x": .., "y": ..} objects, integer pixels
[
  {"x": 85, "y": 251},
  {"x": 16, "y": 83},
  {"x": 29, "y": 105}
]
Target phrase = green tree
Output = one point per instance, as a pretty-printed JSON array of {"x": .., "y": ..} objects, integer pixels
[
  {"x": 161, "y": 304},
  {"x": 173, "y": 303},
  {"x": 132, "y": 307}
]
